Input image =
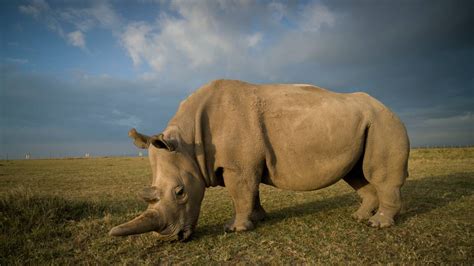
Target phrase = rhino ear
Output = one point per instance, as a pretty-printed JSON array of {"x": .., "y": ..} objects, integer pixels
[
  {"x": 140, "y": 140},
  {"x": 159, "y": 142}
]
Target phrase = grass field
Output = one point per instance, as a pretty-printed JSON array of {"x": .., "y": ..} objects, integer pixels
[{"x": 59, "y": 212}]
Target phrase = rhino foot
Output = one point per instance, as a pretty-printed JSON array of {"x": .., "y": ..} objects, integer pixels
[
  {"x": 233, "y": 226},
  {"x": 361, "y": 215},
  {"x": 380, "y": 220}
]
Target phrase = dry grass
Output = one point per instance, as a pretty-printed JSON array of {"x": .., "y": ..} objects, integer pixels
[{"x": 59, "y": 212}]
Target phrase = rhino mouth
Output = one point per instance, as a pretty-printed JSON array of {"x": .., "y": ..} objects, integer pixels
[
  {"x": 174, "y": 235},
  {"x": 184, "y": 235}
]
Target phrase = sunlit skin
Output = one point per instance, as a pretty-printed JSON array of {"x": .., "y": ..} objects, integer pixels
[{"x": 291, "y": 136}]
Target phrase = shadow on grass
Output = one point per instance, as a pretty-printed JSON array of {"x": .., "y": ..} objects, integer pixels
[
  {"x": 297, "y": 210},
  {"x": 433, "y": 192},
  {"x": 419, "y": 196}
]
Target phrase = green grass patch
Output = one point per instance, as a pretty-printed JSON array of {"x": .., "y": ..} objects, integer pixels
[{"x": 59, "y": 212}]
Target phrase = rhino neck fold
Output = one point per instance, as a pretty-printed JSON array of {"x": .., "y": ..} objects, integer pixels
[
  {"x": 205, "y": 178},
  {"x": 193, "y": 132},
  {"x": 195, "y": 149},
  {"x": 203, "y": 158}
]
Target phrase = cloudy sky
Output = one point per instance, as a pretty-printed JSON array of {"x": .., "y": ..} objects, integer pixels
[{"x": 77, "y": 75}]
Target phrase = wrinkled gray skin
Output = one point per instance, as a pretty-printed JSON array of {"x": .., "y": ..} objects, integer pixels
[{"x": 292, "y": 136}]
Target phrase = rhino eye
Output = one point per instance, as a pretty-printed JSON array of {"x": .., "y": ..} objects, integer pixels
[{"x": 179, "y": 191}]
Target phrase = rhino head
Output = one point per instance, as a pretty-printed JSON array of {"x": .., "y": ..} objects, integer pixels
[{"x": 174, "y": 199}]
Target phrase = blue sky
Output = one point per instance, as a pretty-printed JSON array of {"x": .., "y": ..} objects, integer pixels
[{"x": 76, "y": 75}]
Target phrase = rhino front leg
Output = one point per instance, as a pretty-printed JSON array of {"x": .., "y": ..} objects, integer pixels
[
  {"x": 258, "y": 213},
  {"x": 243, "y": 189}
]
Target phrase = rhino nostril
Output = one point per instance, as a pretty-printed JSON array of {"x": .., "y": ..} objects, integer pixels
[{"x": 181, "y": 235}]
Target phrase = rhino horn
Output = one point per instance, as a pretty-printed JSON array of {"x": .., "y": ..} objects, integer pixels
[
  {"x": 149, "y": 194},
  {"x": 145, "y": 222},
  {"x": 140, "y": 140}
]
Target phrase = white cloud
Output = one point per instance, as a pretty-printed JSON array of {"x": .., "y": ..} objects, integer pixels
[
  {"x": 83, "y": 19},
  {"x": 314, "y": 16},
  {"x": 79, "y": 18},
  {"x": 137, "y": 38},
  {"x": 76, "y": 38},
  {"x": 221, "y": 35},
  {"x": 148, "y": 76},
  {"x": 105, "y": 15},
  {"x": 199, "y": 37},
  {"x": 30, "y": 10},
  {"x": 40, "y": 10},
  {"x": 20, "y": 61},
  {"x": 254, "y": 39},
  {"x": 203, "y": 36},
  {"x": 122, "y": 119},
  {"x": 35, "y": 8},
  {"x": 100, "y": 14},
  {"x": 277, "y": 10}
]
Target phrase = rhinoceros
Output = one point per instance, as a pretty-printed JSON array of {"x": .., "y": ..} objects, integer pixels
[{"x": 292, "y": 136}]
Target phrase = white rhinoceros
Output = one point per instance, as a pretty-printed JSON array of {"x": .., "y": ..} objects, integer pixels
[{"x": 292, "y": 136}]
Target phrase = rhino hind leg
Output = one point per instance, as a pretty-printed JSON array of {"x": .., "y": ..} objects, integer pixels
[
  {"x": 385, "y": 167},
  {"x": 390, "y": 205},
  {"x": 366, "y": 192},
  {"x": 381, "y": 193}
]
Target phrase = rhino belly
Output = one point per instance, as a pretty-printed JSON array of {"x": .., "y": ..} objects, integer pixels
[{"x": 307, "y": 173}]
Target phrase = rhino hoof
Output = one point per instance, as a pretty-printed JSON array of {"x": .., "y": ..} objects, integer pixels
[
  {"x": 238, "y": 227},
  {"x": 361, "y": 216},
  {"x": 380, "y": 221}
]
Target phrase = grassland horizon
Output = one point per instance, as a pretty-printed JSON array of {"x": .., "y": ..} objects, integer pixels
[
  {"x": 143, "y": 153},
  {"x": 58, "y": 211}
]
